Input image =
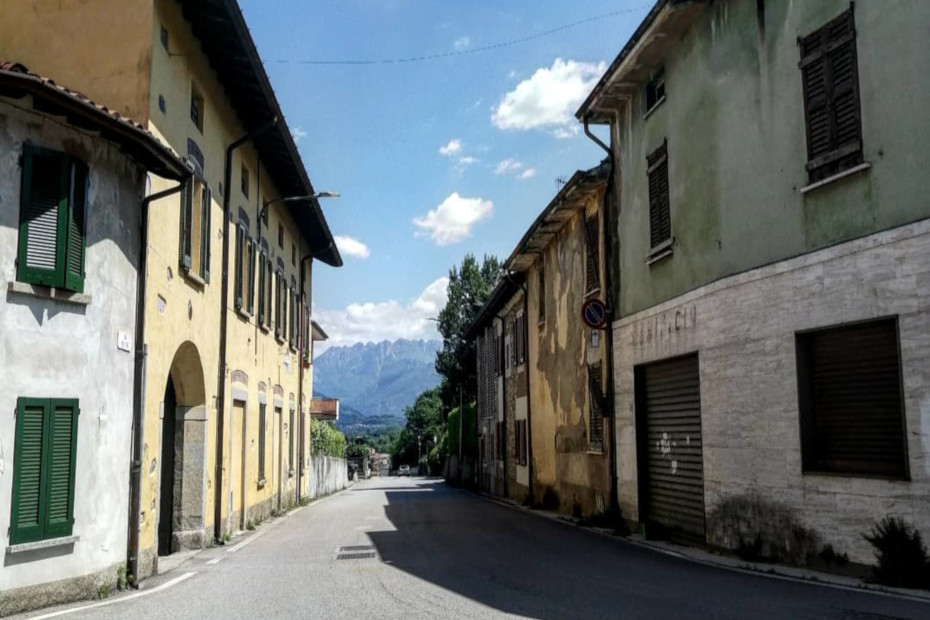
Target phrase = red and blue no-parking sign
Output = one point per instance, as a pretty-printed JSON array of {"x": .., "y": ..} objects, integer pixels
[{"x": 594, "y": 314}]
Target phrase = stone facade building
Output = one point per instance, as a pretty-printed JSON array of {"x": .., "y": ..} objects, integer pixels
[
  {"x": 771, "y": 367},
  {"x": 72, "y": 204}
]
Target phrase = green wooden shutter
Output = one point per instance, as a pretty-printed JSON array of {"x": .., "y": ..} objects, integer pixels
[
  {"x": 261, "y": 441},
  {"x": 43, "y": 217},
  {"x": 251, "y": 294},
  {"x": 60, "y": 460},
  {"x": 237, "y": 285},
  {"x": 207, "y": 206},
  {"x": 27, "y": 521},
  {"x": 184, "y": 245},
  {"x": 77, "y": 221},
  {"x": 261, "y": 289}
]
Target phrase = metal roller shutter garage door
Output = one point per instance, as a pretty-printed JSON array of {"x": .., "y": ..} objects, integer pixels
[{"x": 672, "y": 489}]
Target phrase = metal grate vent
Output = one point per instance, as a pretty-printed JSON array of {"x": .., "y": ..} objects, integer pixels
[
  {"x": 356, "y": 556},
  {"x": 356, "y": 548}
]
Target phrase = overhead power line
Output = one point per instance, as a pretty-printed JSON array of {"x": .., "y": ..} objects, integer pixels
[{"x": 465, "y": 52}]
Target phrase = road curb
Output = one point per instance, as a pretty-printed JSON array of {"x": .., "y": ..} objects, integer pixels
[{"x": 771, "y": 571}]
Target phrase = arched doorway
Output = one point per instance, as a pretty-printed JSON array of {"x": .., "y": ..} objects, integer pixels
[{"x": 183, "y": 455}]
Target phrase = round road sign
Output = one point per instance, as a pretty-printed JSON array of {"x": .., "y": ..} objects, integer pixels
[{"x": 594, "y": 314}]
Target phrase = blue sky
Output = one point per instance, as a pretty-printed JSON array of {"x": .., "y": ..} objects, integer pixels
[{"x": 433, "y": 159}]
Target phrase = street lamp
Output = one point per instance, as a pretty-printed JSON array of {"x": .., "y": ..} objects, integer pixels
[{"x": 308, "y": 197}]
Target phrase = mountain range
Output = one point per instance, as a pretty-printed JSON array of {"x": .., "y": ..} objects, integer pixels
[{"x": 376, "y": 380}]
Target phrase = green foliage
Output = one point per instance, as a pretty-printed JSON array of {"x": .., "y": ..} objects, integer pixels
[
  {"x": 469, "y": 432},
  {"x": 226, "y": 537},
  {"x": 901, "y": 554},
  {"x": 358, "y": 450},
  {"x": 381, "y": 439},
  {"x": 121, "y": 582},
  {"x": 470, "y": 286},
  {"x": 250, "y": 525},
  {"x": 423, "y": 425},
  {"x": 104, "y": 591},
  {"x": 325, "y": 440}
]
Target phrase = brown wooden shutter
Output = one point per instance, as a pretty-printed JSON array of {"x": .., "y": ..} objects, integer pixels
[
  {"x": 852, "y": 416},
  {"x": 593, "y": 247},
  {"x": 595, "y": 408},
  {"x": 830, "y": 73},
  {"x": 660, "y": 223}
]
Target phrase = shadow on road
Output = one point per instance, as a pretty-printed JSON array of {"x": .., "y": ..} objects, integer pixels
[{"x": 538, "y": 568}]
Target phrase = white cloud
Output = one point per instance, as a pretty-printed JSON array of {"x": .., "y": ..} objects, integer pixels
[
  {"x": 529, "y": 173},
  {"x": 507, "y": 166},
  {"x": 453, "y": 220},
  {"x": 549, "y": 98},
  {"x": 351, "y": 247},
  {"x": 513, "y": 74},
  {"x": 466, "y": 161},
  {"x": 298, "y": 134},
  {"x": 453, "y": 147},
  {"x": 462, "y": 43},
  {"x": 387, "y": 320}
]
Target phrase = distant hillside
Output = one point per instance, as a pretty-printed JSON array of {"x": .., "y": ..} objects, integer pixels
[{"x": 376, "y": 380}]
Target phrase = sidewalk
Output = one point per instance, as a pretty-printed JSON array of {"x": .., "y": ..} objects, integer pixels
[{"x": 702, "y": 556}]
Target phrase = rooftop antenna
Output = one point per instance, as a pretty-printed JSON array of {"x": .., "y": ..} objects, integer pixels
[{"x": 559, "y": 183}]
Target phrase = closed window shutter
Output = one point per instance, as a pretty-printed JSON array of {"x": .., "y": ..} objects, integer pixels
[
  {"x": 238, "y": 275},
  {"x": 595, "y": 408},
  {"x": 660, "y": 223},
  {"x": 261, "y": 441},
  {"x": 27, "y": 521},
  {"x": 62, "y": 443},
  {"x": 592, "y": 273},
  {"x": 269, "y": 292},
  {"x": 206, "y": 205},
  {"x": 77, "y": 219},
  {"x": 43, "y": 217},
  {"x": 251, "y": 293},
  {"x": 831, "y": 98},
  {"x": 261, "y": 289},
  {"x": 184, "y": 245}
]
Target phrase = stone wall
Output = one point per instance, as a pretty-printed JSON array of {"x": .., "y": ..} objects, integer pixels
[{"x": 743, "y": 329}]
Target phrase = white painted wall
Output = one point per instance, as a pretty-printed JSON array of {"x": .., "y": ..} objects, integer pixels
[
  {"x": 327, "y": 476},
  {"x": 743, "y": 329},
  {"x": 51, "y": 349}
]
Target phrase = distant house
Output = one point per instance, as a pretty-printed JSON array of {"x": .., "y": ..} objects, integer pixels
[
  {"x": 72, "y": 207},
  {"x": 772, "y": 312}
]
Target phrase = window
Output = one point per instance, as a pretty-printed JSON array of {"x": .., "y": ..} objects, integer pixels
[
  {"x": 541, "y": 292},
  {"x": 499, "y": 443},
  {"x": 521, "y": 440},
  {"x": 660, "y": 223},
  {"x": 281, "y": 236},
  {"x": 294, "y": 254},
  {"x": 250, "y": 261},
  {"x": 290, "y": 442},
  {"x": 197, "y": 108},
  {"x": 244, "y": 277},
  {"x": 238, "y": 284},
  {"x": 52, "y": 220},
  {"x": 164, "y": 38},
  {"x": 593, "y": 254},
  {"x": 292, "y": 314},
  {"x": 244, "y": 180},
  {"x": 849, "y": 389},
  {"x": 269, "y": 290},
  {"x": 278, "y": 306},
  {"x": 195, "y": 228},
  {"x": 655, "y": 90},
  {"x": 830, "y": 73},
  {"x": 43, "y": 469},
  {"x": 265, "y": 212},
  {"x": 595, "y": 408},
  {"x": 519, "y": 334},
  {"x": 261, "y": 442},
  {"x": 307, "y": 335},
  {"x": 262, "y": 313}
]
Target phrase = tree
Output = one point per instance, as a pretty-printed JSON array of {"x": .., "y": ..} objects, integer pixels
[
  {"x": 470, "y": 286},
  {"x": 424, "y": 422}
]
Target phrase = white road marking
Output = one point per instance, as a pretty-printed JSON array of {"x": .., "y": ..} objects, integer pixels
[
  {"x": 131, "y": 597},
  {"x": 363, "y": 528},
  {"x": 249, "y": 539},
  {"x": 215, "y": 561}
]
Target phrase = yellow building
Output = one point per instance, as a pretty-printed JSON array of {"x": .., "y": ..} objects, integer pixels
[
  {"x": 562, "y": 257},
  {"x": 227, "y": 347}
]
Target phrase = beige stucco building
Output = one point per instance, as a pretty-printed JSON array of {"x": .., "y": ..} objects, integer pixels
[{"x": 227, "y": 294}]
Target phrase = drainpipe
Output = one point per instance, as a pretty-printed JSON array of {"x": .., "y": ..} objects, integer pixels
[
  {"x": 300, "y": 378},
  {"x": 221, "y": 372},
  {"x": 138, "y": 391},
  {"x": 609, "y": 332}
]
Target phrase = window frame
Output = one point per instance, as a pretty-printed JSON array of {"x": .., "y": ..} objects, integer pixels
[
  {"x": 541, "y": 289},
  {"x": 197, "y": 112},
  {"x": 45, "y": 529},
  {"x": 244, "y": 179},
  {"x": 655, "y": 83},
  {"x": 186, "y": 246},
  {"x": 70, "y": 221},
  {"x": 262, "y": 444}
]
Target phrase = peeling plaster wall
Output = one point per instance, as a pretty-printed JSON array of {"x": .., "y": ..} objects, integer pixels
[
  {"x": 515, "y": 390},
  {"x": 52, "y": 349},
  {"x": 565, "y": 474}
]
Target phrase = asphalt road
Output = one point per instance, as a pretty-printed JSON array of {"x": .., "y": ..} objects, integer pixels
[{"x": 444, "y": 553}]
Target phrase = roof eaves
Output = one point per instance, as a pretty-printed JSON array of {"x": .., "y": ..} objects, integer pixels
[{"x": 506, "y": 288}]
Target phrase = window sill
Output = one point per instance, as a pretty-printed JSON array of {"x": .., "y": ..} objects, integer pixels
[
  {"x": 193, "y": 277},
  {"x": 264, "y": 328},
  {"x": 280, "y": 339},
  {"x": 661, "y": 251},
  {"x": 655, "y": 106},
  {"x": 591, "y": 452},
  {"x": 836, "y": 177},
  {"x": 42, "y": 544},
  {"x": 45, "y": 292},
  {"x": 245, "y": 314},
  {"x": 261, "y": 483},
  {"x": 592, "y": 292},
  {"x": 290, "y": 473},
  {"x": 813, "y": 473}
]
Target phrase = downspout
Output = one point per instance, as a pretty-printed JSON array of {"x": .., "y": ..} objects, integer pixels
[
  {"x": 221, "y": 371},
  {"x": 138, "y": 390},
  {"x": 609, "y": 332}
]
